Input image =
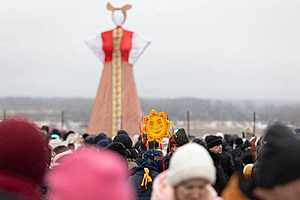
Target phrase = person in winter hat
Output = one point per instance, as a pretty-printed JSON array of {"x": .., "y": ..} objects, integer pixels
[
  {"x": 178, "y": 139},
  {"x": 90, "y": 174},
  {"x": 214, "y": 143},
  {"x": 45, "y": 129},
  {"x": 279, "y": 162},
  {"x": 85, "y": 135},
  {"x": 58, "y": 146},
  {"x": 24, "y": 158},
  {"x": 275, "y": 174},
  {"x": 146, "y": 172},
  {"x": 90, "y": 140},
  {"x": 127, "y": 154},
  {"x": 66, "y": 135},
  {"x": 189, "y": 177},
  {"x": 99, "y": 137},
  {"x": 74, "y": 141},
  {"x": 103, "y": 143},
  {"x": 214, "y": 146},
  {"x": 56, "y": 132},
  {"x": 124, "y": 139},
  {"x": 237, "y": 155},
  {"x": 122, "y": 132},
  {"x": 118, "y": 148}
]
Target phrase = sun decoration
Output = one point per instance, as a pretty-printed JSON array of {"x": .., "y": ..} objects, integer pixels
[{"x": 156, "y": 126}]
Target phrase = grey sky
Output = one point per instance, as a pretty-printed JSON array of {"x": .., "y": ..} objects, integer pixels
[{"x": 206, "y": 48}]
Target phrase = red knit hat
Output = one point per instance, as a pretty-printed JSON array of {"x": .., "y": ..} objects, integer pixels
[
  {"x": 90, "y": 174},
  {"x": 23, "y": 150}
]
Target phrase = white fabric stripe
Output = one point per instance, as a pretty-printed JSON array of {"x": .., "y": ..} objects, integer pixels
[
  {"x": 139, "y": 45},
  {"x": 95, "y": 45}
]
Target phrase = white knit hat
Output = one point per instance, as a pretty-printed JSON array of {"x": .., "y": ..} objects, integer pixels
[{"x": 191, "y": 161}]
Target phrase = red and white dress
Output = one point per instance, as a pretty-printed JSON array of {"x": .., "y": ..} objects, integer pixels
[{"x": 116, "y": 105}]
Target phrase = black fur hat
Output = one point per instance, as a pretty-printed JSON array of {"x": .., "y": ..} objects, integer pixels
[{"x": 279, "y": 162}]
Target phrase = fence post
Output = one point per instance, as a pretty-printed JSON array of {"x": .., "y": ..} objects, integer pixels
[
  {"x": 188, "y": 122},
  {"x": 254, "y": 122},
  {"x": 4, "y": 115},
  {"x": 62, "y": 119}
]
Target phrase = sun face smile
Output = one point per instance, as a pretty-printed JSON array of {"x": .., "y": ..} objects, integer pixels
[{"x": 156, "y": 125}]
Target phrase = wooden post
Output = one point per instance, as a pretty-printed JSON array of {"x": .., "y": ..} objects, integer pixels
[
  {"x": 254, "y": 123},
  {"x": 4, "y": 115},
  {"x": 188, "y": 122},
  {"x": 62, "y": 119}
]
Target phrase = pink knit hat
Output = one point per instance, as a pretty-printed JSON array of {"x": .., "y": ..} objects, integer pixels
[{"x": 90, "y": 174}]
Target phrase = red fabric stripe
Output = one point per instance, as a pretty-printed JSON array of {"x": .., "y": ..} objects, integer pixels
[{"x": 126, "y": 45}]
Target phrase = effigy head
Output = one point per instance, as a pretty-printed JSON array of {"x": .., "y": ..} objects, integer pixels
[{"x": 119, "y": 14}]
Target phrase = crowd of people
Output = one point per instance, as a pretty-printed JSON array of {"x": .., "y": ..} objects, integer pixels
[{"x": 40, "y": 163}]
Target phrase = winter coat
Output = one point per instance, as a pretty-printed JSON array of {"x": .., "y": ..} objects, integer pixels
[
  {"x": 239, "y": 188},
  {"x": 144, "y": 175},
  {"x": 143, "y": 190},
  {"x": 237, "y": 155},
  {"x": 233, "y": 191},
  {"x": 163, "y": 191},
  {"x": 227, "y": 164},
  {"x": 221, "y": 178}
]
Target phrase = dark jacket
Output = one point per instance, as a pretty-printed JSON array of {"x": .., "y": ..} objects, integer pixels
[
  {"x": 227, "y": 164},
  {"x": 149, "y": 167},
  {"x": 237, "y": 155},
  {"x": 221, "y": 178},
  {"x": 143, "y": 193}
]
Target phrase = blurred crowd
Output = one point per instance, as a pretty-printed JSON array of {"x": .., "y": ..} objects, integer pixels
[{"x": 44, "y": 163}]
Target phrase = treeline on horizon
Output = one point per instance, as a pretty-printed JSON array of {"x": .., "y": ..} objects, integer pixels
[{"x": 78, "y": 109}]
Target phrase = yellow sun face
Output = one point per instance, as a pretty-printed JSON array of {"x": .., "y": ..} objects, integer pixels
[{"x": 156, "y": 125}]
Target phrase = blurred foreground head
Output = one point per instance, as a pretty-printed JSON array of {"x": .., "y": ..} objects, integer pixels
[
  {"x": 279, "y": 161},
  {"x": 191, "y": 161},
  {"x": 24, "y": 155},
  {"x": 275, "y": 175},
  {"x": 90, "y": 174},
  {"x": 189, "y": 177}
]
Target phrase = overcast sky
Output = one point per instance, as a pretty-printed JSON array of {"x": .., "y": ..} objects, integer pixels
[{"x": 233, "y": 49}]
